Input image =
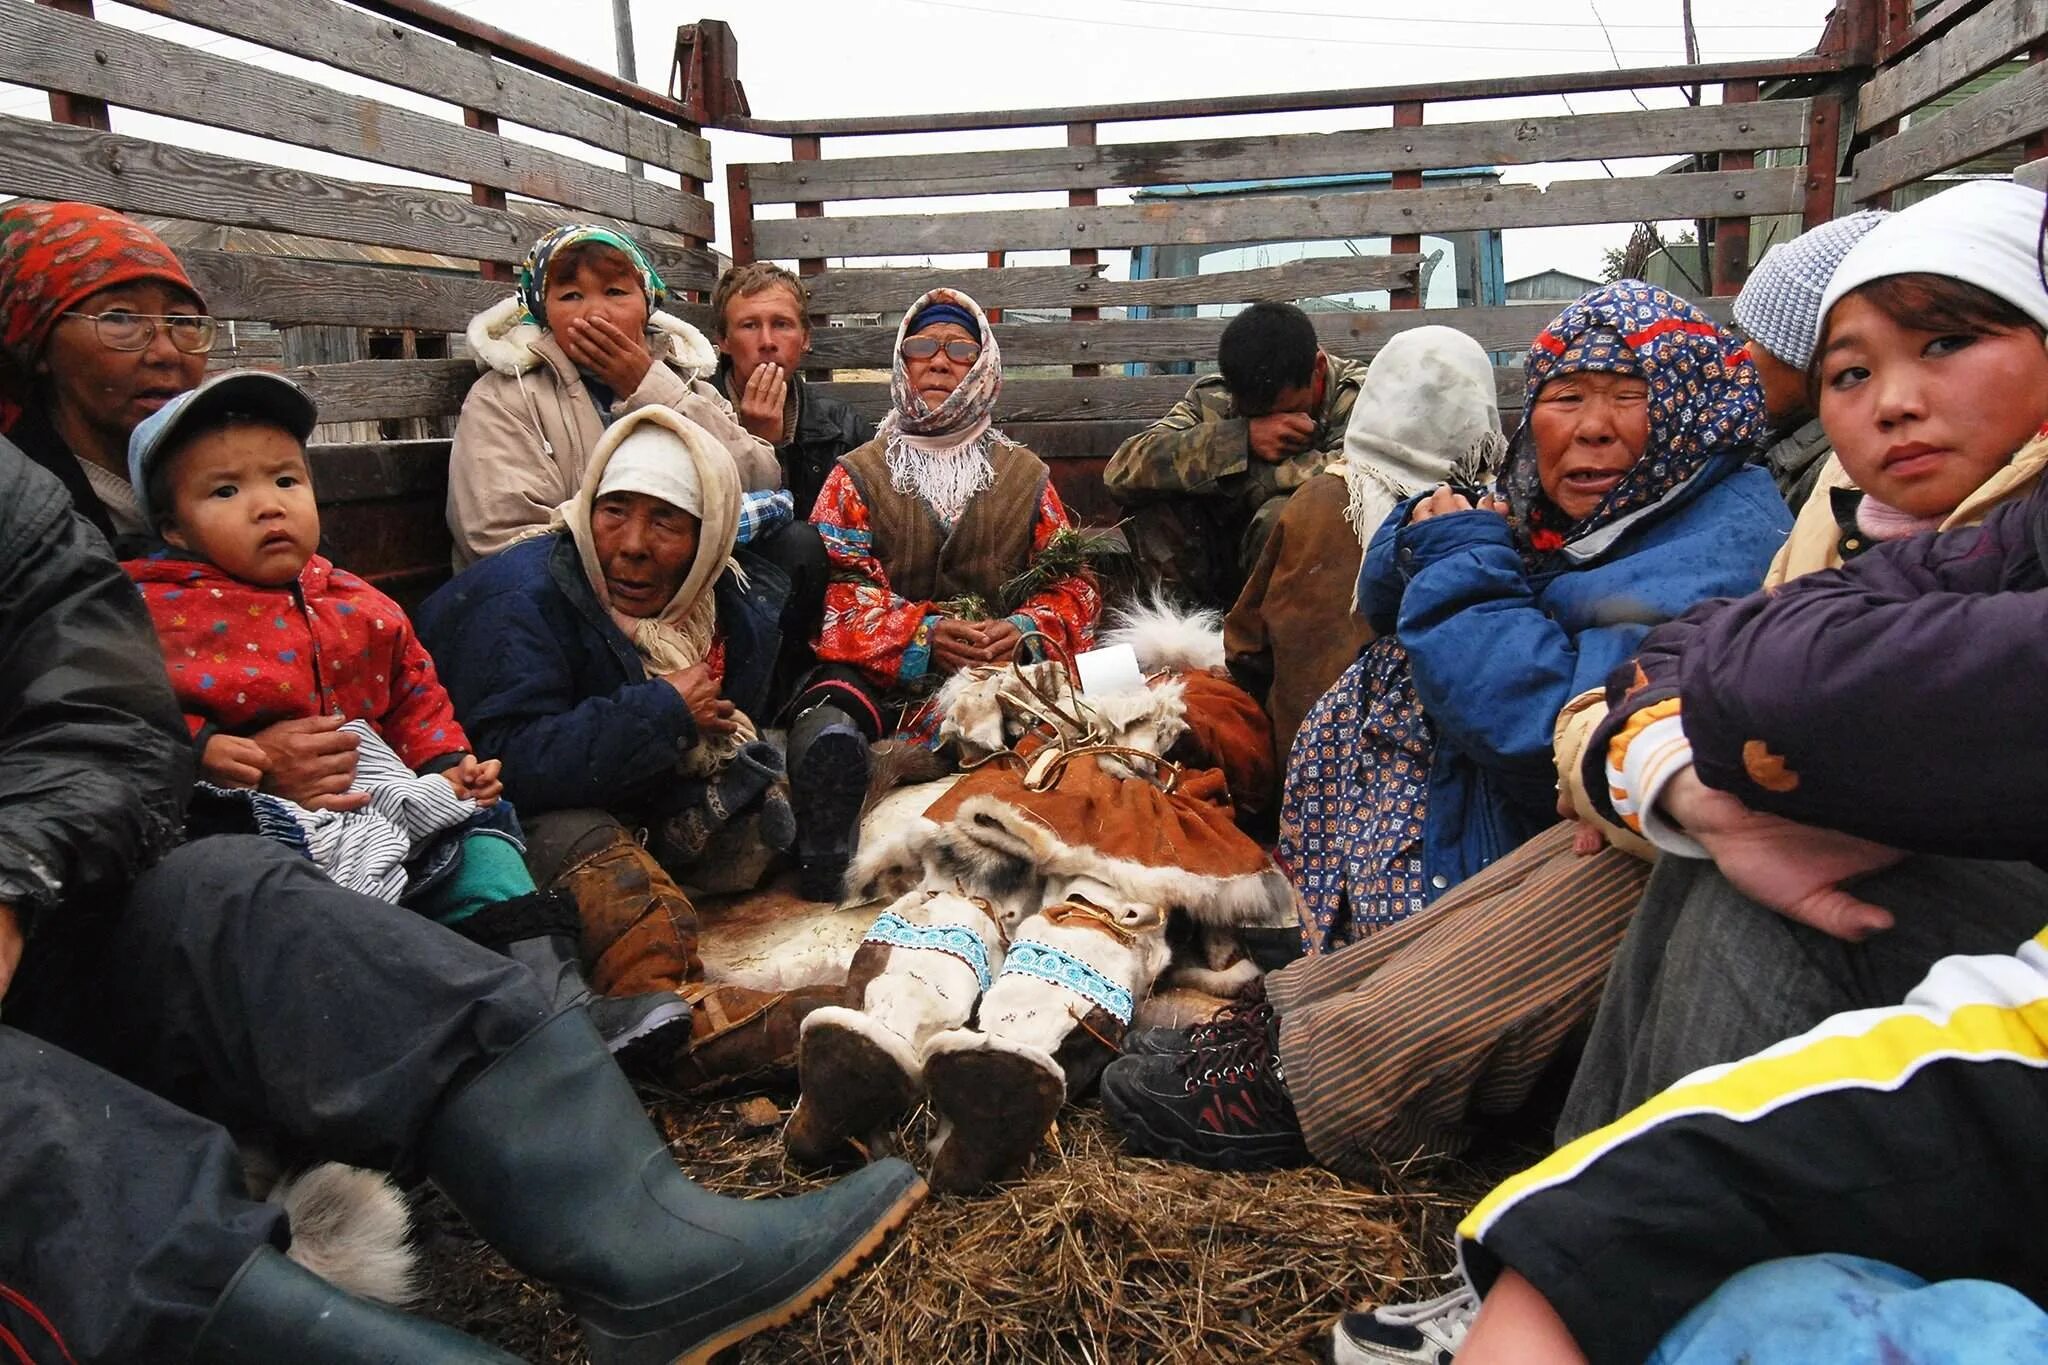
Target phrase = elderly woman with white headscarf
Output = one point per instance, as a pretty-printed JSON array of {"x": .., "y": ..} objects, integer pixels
[
  {"x": 937, "y": 532},
  {"x": 617, "y": 661},
  {"x": 1425, "y": 413}
]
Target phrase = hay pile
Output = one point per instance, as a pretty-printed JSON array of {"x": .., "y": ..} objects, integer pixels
[{"x": 1095, "y": 1256}]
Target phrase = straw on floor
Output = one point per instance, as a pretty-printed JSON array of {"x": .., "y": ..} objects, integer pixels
[{"x": 1095, "y": 1256}]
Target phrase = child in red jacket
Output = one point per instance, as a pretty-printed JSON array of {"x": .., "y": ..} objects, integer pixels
[{"x": 257, "y": 628}]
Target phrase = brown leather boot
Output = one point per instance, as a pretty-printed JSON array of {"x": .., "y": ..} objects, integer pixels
[
  {"x": 741, "y": 1039},
  {"x": 639, "y": 929}
]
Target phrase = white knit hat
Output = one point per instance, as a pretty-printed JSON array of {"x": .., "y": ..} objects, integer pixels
[
  {"x": 1779, "y": 306},
  {"x": 1982, "y": 232},
  {"x": 653, "y": 460}
]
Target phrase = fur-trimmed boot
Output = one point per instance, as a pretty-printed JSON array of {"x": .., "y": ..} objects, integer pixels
[
  {"x": 540, "y": 931},
  {"x": 274, "y": 1310},
  {"x": 828, "y": 781},
  {"x": 1047, "y": 1027},
  {"x": 918, "y": 972},
  {"x": 551, "y": 1159}
]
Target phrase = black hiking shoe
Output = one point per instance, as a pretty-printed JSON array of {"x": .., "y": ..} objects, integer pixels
[
  {"x": 1235, "y": 1018},
  {"x": 1224, "y": 1107}
]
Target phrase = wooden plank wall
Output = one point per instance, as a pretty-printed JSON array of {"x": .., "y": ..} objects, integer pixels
[
  {"x": 2011, "y": 111},
  {"x": 81, "y": 57},
  {"x": 849, "y": 247},
  {"x": 501, "y": 193}
]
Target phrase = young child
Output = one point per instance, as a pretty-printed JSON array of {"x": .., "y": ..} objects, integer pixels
[{"x": 258, "y": 628}]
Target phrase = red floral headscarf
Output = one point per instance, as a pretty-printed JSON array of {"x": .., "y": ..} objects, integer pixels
[{"x": 52, "y": 256}]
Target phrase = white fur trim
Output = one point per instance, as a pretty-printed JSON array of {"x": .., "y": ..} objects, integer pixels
[
  {"x": 1230, "y": 981},
  {"x": 1164, "y": 635},
  {"x": 890, "y": 859},
  {"x": 1251, "y": 898},
  {"x": 1151, "y": 718},
  {"x": 899, "y": 1048},
  {"x": 350, "y": 1227},
  {"x": 501, "y": 339}
]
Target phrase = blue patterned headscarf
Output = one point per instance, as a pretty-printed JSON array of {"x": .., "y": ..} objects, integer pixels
[
  {"x": 1705, "y": 402},
  {"x": 533, "y": 271}
]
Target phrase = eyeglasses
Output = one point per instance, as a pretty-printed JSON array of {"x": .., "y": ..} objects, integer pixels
[
  {"x": 120, "y": 330},
  {"x": 924, "y": 348}
]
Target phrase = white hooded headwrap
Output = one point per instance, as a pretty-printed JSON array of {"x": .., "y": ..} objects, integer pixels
[
  {"x": 659, "y": 452},
  {"x": 1428, "y": 405}
]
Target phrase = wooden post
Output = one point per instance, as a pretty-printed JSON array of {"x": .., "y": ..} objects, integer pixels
[
  {"x": 812, "y": 149},
  {"x": 482, "y": 195},
  {"x": 76, "y": 109},
  {"x": 1082, "y": 135},
  {"x": 739, "y": 208},
  {"x": 996, "y": 261},
  {"x": 1823, "y": 158},
  {"x": 2037, "y": 145},
  {"x": 1895, "y": 20},
  {"x": 1731, "y": 235},
  {"x": 1407, "y": 114}
]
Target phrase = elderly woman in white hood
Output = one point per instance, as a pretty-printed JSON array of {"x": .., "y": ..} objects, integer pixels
[
  {"x": 619, "y": 658},
  {"x": 583, "y": 343},
  {"x": 1417, "y": 422}
]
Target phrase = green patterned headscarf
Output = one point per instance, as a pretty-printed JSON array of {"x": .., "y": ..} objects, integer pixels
[{"x": 533, "y": 271}]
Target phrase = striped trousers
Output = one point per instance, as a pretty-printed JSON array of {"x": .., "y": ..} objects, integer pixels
[
  {"x": 1901, "y": 1122},
  {"x": 1393, "y": 1042}
]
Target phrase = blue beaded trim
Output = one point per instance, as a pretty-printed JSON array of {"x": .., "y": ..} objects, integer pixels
[
  {"x": 954, "y": 940},
  {"x": 1032, "y": 958}
]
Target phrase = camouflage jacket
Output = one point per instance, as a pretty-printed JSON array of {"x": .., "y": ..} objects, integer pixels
[{"x": 1202, "y": 442}]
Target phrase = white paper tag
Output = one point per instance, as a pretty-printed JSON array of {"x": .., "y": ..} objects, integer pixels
[{"x": 1107, "y": 670}]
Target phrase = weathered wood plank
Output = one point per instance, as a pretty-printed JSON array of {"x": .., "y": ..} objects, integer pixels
[
  {"x": 1582, "y": 137},
  {"x": 48, "y": 48},
  {"x": 288, "y": 292},
  {"x": 2008, "y": 112},
  {"x": 887, "y": 290},
  {"x": 380, "y": 390},
  {"x": 53, "y": 161},
  {"x": 1301, "y": 101},
  {"x": 1123, "y": 398},
  {"x": 1360, "y": 334},
  {"x": 377, "y": 471},
  {"x": 339, "y": 36},
  {"x": 1971, "y": 48},
  {"x": 382, "y": 512},
  {"x": 1284, "y": 217}
]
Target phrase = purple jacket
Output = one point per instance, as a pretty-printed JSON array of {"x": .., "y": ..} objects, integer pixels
[{"x": 1902, "y": 697}]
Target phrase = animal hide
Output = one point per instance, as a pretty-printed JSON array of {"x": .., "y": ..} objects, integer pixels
[
  {"x": 1166, "y": 636},
  {"x": 351, "y": 1227}
]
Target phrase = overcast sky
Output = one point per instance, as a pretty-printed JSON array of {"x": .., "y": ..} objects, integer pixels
[{"x": 807, "y": 57}]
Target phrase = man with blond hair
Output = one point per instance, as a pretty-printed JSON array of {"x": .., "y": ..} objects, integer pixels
[{"x": 761, "y": 318}]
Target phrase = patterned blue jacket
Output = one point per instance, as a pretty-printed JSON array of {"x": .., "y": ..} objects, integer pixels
[{"x": 1496, "y": 653}]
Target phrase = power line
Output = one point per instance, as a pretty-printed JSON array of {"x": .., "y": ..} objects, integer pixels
[
  {"x": 1320, "y": 39},
  {"x": 1439, "y": 23}
]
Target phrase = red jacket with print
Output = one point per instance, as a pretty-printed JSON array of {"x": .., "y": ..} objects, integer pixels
[{"x": 243, "y": 657}]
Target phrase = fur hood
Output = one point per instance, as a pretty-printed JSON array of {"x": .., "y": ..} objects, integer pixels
[{"x": 501, "y": 339}]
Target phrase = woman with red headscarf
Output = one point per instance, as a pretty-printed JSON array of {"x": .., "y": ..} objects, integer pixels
[{"x": 99, "y": 327}]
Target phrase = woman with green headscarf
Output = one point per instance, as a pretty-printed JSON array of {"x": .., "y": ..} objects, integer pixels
[{"x": 582, "y": 343}]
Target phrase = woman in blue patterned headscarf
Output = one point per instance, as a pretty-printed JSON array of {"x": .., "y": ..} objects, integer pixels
[{"x": 1624, "y": 501}]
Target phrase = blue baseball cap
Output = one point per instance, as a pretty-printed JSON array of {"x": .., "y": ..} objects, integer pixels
[{"x": 241, "y": 393}]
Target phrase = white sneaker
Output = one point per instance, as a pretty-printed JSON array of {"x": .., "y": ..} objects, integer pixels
[{"x": 1406, "y": 1334}]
